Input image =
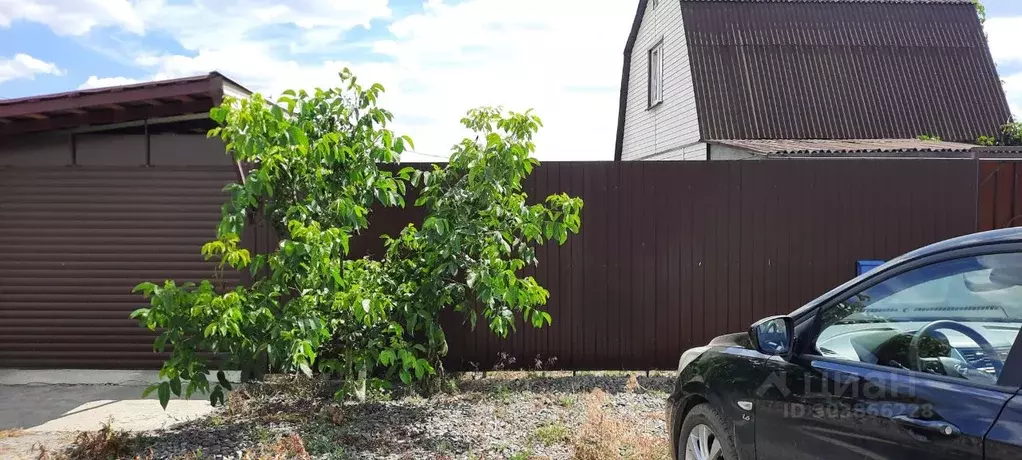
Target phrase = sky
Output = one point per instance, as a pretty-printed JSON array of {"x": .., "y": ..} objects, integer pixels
[{"x": 436, "y": 58}]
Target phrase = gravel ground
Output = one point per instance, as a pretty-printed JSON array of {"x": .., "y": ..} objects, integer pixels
[{"x": 504, "y": 415}]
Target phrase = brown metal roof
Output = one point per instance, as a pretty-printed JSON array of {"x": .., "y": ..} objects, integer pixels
[
  {"x": 842, "y": 70},
  {"x": 117, "y": 104},
  {"x": 843, "y": 147}
]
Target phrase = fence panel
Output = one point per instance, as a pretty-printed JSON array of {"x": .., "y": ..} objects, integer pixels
[
  {"x": 672, "y": 254},
  {"x": 1000, "y": 197}
]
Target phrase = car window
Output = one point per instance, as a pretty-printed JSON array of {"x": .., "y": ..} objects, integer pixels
[{"x": 957, "y": 318}]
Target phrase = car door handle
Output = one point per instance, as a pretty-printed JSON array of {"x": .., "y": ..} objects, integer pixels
[{"x": 931, "y": 426}]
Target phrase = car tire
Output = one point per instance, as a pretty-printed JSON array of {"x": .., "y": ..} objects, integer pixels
[{"x": 711, "y": 427}]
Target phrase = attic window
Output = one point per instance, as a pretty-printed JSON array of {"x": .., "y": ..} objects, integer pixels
[{"x": 656, "y": 74}]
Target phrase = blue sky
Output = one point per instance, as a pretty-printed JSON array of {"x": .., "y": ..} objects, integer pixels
[{"x": 437, "y": 58}]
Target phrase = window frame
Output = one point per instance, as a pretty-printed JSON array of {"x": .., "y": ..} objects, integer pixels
[
  {"x": 654, "y": 100},
  {"x": 1011, "y": 374}
]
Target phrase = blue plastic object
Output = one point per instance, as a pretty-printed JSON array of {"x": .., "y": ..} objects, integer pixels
[{"x": 863, "y": 266}]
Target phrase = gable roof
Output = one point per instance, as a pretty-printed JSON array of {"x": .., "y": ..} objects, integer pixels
[{"x": 837, "y": 69}]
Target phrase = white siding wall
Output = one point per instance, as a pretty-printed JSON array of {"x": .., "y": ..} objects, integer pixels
[{"x": 669, "y": 131}]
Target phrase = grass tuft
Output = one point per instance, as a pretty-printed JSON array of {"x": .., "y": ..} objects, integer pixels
[
  {"x": 551, "y": 434},
  {"x": 88, "y": 445},
  {"x": 11, "y": 433},
  {"x": 604, "y": 435}
]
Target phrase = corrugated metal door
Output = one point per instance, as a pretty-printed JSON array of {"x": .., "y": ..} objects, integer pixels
[{"x": 73, "y": 243}]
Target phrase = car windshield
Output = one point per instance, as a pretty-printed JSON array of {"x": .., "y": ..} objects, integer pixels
[
  {"x": 982, "y": 289},
  {"x": 957, "y": 318}
]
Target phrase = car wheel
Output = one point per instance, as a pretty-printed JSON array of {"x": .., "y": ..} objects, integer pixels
[{"x": 704, "y": 436}]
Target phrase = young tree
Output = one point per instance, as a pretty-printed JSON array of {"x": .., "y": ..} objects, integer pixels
[{"x": 314, "y": 173}]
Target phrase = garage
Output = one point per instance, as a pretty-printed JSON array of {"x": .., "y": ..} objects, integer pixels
[{"x": 100, "y": 190}]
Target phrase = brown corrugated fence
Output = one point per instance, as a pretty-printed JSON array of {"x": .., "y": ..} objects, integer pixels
[
  {"x": 672, "y": 254},
  {"x": 74, "y": 241}
]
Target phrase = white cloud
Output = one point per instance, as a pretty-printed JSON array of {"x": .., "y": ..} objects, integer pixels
[
  {"x": 1004, "y": 35},
  {"x": 72, "y": 17},
  {"x": 561, "y": 57},
  {"x": 1013, "y": 88},
  {"x": 100, "y": 82},
  {"x": 210, "y": 25},
  {"x": 25, "y": 66}
]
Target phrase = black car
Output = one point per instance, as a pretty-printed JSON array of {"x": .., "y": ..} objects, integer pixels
[{"x": 915, "y": 359}]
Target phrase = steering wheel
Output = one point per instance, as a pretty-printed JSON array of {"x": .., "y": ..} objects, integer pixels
[{"x": 984, "y": 344}]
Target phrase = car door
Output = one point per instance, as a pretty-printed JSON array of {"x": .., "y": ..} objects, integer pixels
[
  {"x": 1004, "y": 441},
  {"x": 915, "y": 362}
]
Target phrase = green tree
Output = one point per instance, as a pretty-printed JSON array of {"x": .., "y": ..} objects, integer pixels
[
  {"x": 313, "y": 174},
  {"x": 478, "y": 235}
]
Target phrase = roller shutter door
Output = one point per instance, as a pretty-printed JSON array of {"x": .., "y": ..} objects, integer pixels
[{"x": 73, "y": 243}]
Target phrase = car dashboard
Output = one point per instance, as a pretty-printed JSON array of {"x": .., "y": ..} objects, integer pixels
[{"x": 942, "y": 351}]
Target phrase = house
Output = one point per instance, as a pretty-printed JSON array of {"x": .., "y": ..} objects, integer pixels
[
  {"x": 740, "y": 79},
  {"x": 99, "y": 190}
]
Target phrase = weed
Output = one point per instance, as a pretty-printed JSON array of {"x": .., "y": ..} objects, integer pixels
[
  {"x": 501, "y": 393},
  {"x": 551, "y": 434},
  {"x": 196, "y": 454},
  {"x": 11, "y": 433},
  {"x": 321, "y": 438},
  {"x": 504, "y": 361},
  {"x": 521, "y": 455},
  {"x": 263, "y": 434},
  {"x": 103, "y": 443},
  {"x": 567, "y": 401},
  {"x": 285, "y": 448},
  {"x": 632, "y": 384},
  {"x": 216, "y": 420},
  {"x": 605, "y": 436}
]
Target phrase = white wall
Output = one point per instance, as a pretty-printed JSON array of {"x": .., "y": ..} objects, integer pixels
[{"x": 670, "y": 130}]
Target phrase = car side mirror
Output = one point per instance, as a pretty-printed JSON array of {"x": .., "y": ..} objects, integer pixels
[{"x": 773, "y": 336}]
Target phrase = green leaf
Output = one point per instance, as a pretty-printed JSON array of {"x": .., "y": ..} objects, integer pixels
[
  {"x": 216, "y": 396},
  {"x": 406, "y": 378},
  {"x": 219, "y": 114},
  {"x": 175, "y": 385},
  {"x": 164, "y": 394},
  {"x": 222, "y": 378},
  {"x": 160, "y": 343},
  {"x": 304, "y": 367},
  {"x": 145, "y": 288},
  {"x": 309, "y": 352},
  {"x": 150, "y": 389},
  {"x": 406, "y": 172}
]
